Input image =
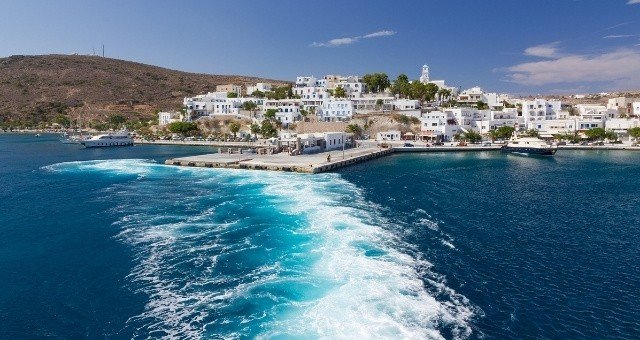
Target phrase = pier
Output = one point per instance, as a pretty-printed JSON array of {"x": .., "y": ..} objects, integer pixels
[{"x": 313, "y": 163}]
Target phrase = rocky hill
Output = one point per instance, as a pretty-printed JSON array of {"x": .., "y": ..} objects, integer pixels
[{"x": 36, "y": 89}]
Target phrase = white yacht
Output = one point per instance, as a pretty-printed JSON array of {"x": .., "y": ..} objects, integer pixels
[
  {"x": 122, "y": 138},
  {"x": 530, "y": 146}
]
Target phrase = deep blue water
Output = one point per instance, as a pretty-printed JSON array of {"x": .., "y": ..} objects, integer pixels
[{"x": 111, "y": 243}]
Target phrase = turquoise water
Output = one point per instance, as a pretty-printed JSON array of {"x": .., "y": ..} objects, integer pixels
[{"x": 111, "y": 243}]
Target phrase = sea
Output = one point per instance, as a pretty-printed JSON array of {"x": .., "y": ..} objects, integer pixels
[{"x": 112, "y": 244}]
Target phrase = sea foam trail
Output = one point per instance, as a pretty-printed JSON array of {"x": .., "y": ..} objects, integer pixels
[{"x": 254, "y": 254}]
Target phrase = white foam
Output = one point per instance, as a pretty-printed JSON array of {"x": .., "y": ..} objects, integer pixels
[
  {"x": 372, "y": 284},
  {"x": 373, "y": 296},
  {"x": 140, "y": 167}
]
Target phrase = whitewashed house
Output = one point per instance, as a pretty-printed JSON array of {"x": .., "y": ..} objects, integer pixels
[
  {"x": 392, "y": 135},
  {"x": 287, "y": 110},
  {"x": 438, "y": 126},
  {"x": 336, "y": 110},
  {"x": 537, "y": 110},
  {"x": 636, "y": 108},
  {"x": 165, "y": 118},
  {"x": 262, "y": 87}
]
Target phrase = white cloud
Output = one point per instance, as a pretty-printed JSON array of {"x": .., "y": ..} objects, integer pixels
[
  {"x": 385, "y": 33},
  {"x": 616, "y": 26},
  {"x": 544, "y": 51},
  {"x": 618, "y": 36},
  {"x": 351, "y": 40},
  {"x": 619, "y": 68},
  {"x": 631, "y": 2}
]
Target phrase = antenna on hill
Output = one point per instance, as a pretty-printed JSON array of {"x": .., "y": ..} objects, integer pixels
[{"x": 103, "y": 50}]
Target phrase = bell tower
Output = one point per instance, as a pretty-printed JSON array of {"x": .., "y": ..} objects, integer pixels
[{"x": 424, "y": 77}]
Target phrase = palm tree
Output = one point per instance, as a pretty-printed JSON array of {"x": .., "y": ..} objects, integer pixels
[
  {"x": 380, "y": 104},
  {"x": 234, "y": 127},
  {"x": 444, "y": 93}
]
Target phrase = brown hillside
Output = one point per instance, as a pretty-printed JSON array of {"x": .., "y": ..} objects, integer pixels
[{"x": 38, "y": 88}]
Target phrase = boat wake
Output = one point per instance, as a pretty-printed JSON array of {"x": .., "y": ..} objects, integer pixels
[{"x": 232, "y": 253}]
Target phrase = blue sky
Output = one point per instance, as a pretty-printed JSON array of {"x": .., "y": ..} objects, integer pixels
[{"x": 535, "y": 46}]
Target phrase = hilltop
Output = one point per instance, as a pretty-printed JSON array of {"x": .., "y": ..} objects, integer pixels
[{"x": 39, "y": 88}]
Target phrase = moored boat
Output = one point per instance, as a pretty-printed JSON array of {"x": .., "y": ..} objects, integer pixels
[
  {"x": 122, "y": 138},
  {"x": 530, "y": 146}
]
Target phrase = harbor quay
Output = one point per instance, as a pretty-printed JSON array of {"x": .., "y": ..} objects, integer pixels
[{"x": 306, "y": 163}]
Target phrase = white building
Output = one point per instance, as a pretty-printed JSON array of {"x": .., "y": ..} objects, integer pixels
[
  {"x": 312, "y": 97},
  {"x": 537, "y": 110},
  {"x": 621, "y": 125},
  {"x": 368, "y": 102},
  {"x": 425, "y": 79},
  {"x": 475, "y": 94},
  {"x": 215, "y": 104},
  {"x": 424, "y": 76},
  {"x": 336, "y": 110},
  {"x": 262, "y": 87},
  {"x": 306, "y": 81},
  {"x": 392, "y": 135},
  {"x": 287, "y": 110},
  {"x": 636, "y": 108},
  {"x": 165, "y": 118},
  {"x": 438, "y": 126},
  {"x": 471, "y": 96}
]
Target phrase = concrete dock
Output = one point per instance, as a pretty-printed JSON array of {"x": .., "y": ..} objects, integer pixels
[{"x": 314, "y": 163}]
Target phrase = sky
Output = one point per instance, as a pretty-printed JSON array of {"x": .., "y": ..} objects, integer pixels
[{"x": 512, "y": 46}]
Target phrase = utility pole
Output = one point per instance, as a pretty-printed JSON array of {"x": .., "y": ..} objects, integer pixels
[
  {"x": 103, "y": 50},
  {"x": 343, "y": 145}
]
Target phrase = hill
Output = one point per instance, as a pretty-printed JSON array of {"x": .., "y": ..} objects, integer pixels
[{"x": 35, "y": 89}]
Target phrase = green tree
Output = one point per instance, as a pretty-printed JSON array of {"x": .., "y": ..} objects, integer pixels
[
  {"x": 270, "y": 114},
  {"x": 611, "y": 136},
  {"x": 63, "y": 121},
  {"x": 232, "y": 95},
  {"x": 472, "y": 136},
  {"x": 430, "y": 90},
  {"x": 234, "y": 127},
  {"x": 596, "y": 134},
  {"x": 401, "y": 86},
  {"x": 257, "y": 94},
  {"x": 376, "y": 82},
  {"x": 255, "y": 129},
  {"x": 443, "y": 94},
  {"x": 250, "y": 106},
  {"x": 504, "y": 132},
  {"x": 634, "y": 132},
  {"x": 355, "y": 129},
  {"x": 267, "y": 129},
  {"x": 182, "y": 127},
  {"x": 339, "y": 92},
  {"x": 481, "y": 105}
]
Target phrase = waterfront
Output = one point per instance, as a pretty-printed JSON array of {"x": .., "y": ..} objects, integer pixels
[{"x": 410, "y": 245}]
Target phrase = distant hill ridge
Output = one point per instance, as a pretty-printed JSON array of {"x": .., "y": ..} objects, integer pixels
[{"x": 38, "y": 88}]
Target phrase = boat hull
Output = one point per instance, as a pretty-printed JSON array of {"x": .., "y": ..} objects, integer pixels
[
  {"x": 106, "y": 143},
  {"x": 530, "y": 150}
]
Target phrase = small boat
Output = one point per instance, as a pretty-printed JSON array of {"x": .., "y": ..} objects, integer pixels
[
  {"x": 37, "y": 135},
  {"x": 122, "y": 138},
  {"x": 529, "y": 146}
]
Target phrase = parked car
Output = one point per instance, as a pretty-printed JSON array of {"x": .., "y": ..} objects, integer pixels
[
  {"x": 486, "y": 144},
  {"x": 408, "y": 145},
  {"x": 438, "y": 143}
]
